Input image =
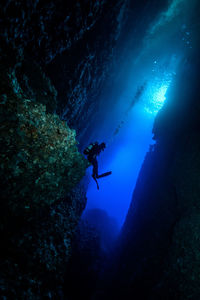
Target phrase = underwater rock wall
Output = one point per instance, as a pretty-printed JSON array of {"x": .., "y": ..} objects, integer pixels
[
  {"x": 157, "y": 256},
  {"x": 93, "y": 241},
  {"x": 41, "y": 198},
  {"x": 80, "y": 73},
  {"x": 47, "y": 28},
  {"x": 74, "y": 41},
  {"x": 86, "y": 263},
  {"x": 37, "y": 148},
  {"x": 36, "y": 247}
]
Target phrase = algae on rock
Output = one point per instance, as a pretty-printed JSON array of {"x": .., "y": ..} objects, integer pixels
[
  {"x": 41, "y": 198},
  {"x": 40, "y": 161}
]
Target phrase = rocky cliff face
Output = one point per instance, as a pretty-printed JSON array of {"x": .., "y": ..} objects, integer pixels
[
  {"x": 94, "y": 238},
  {"x": 41, "y": 202},
  {"x": 81, "y": 72},
  {"x": 47, "y": 28},
  {"x": 36, "y": 247},
  {"x": 158, "y": 256},
  {"x": 45, "y": 43},
  {"x": 75, "y": 44}
]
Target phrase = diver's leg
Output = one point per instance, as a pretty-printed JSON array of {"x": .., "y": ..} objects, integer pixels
[
  {"x": 95, "y": 168},
  {"x": 95, "y": 172},
  {"x": 96, "y": 181}
]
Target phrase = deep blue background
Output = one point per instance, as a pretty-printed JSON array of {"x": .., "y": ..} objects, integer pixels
[{"x": 167, "y": 44}]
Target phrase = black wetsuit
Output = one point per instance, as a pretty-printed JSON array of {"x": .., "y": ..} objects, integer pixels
[{"x": 92, "y": 158}]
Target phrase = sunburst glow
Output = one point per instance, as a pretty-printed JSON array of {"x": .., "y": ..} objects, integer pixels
[{"x": 156, "y": 98}]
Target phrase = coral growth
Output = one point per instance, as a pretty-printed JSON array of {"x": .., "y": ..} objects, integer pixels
[
  {"x": 41, "y": 198},
  {"x": 39, "y": 157}
]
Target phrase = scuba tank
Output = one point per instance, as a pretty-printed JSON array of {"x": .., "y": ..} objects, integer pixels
[{"x": 88, "y": 149}]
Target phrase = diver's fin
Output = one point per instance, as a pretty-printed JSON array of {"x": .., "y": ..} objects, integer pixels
[{"x": 104, "y": 174}]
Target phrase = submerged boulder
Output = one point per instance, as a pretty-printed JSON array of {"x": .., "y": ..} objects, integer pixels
[{"x": 40, "y": 161}]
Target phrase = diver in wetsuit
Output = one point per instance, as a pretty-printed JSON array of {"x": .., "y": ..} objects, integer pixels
[{"x": 92, "y": 151}]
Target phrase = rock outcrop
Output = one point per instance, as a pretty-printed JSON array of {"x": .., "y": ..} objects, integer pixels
[
  {"x": 46, "y": 44},
  {"x": 74, "y": 41},
  {"x": 47, "y": 28},
  {"x": 41, "y": 199},
  {"x": 37, "y": 148},
  {"x": 81, "y": 72}
]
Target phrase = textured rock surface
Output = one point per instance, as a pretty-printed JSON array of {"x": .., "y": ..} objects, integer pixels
[
  {"x": 47, "y": 28},
  {"x": 37, "y": 148},
  {"x": 81, "y": 72},
  {"x": 86, "y": 262},
  {"x": 76, "y": 39},
  {"x": 92, "y": 244},
  {"x": 41, "y": 202},
  {"x": 35, "y": 249},
  {"x": 40, "y": 166}
]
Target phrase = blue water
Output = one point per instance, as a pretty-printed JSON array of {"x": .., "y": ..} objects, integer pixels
[
  {"x": 167, "y": 44},
  {"x": 127, "y": 149},
  {"x": 124, "y": 158}
]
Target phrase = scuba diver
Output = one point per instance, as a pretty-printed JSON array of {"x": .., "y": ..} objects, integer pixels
[{"x": 92, "y": 151}]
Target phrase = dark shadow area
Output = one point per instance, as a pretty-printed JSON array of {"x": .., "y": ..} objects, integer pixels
[{"x": 92, "y": 244}]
